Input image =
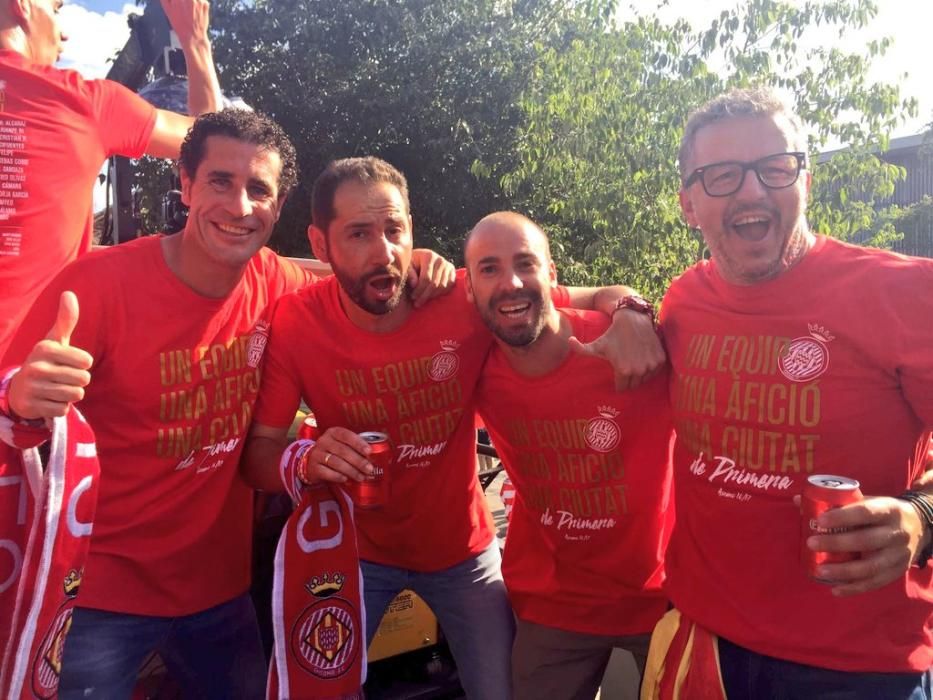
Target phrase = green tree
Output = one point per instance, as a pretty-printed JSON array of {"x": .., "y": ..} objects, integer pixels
[
  {"x": 603, "y": 117},
  {"x": 429, "y": 85}
]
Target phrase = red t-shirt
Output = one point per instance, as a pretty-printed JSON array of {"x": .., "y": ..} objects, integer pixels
[
  {"x": 417, "y": 385},
  {"x": 174, "y": 380},
  {"x": 592, "y": 473},
  {"x": 826, "y": 369},
  {"x": 55, "y": 131}
]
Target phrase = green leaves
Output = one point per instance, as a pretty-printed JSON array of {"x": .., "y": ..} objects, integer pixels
[{"x": 553, "y": 108}]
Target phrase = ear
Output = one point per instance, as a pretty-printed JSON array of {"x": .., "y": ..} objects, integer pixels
[
  {"x": 21, "y": 10},
  {"x": 552, "y": 273},
  {"x": 279, "y": 205},
  {"x": 318, "y": 243},
  {"x": 469, "y": 287},
  {"x": 807, "y": 183},
  {"x": 686, "y": 206},
  {"x": 186, "y": 184}
]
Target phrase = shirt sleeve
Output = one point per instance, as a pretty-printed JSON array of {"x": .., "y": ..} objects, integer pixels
[
  {"x": 911, "y": 306},
  {"x": 279, "y": 391},
  {"x": 125, "y": 119},
  {"x": 560, "y": 296}
]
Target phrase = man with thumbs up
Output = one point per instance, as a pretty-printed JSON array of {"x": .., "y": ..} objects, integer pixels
[{"x": 174, "y": 328}]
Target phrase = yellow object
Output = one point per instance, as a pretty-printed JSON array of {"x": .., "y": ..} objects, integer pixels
[{"x": 407, "y": 625}]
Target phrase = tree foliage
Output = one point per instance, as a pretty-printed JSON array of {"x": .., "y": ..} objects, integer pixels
[
  {"x": 554, "y": 108},
  {"x": 603, "y": 120}
]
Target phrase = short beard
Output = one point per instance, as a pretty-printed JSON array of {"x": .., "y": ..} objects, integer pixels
[
  {"x": 355, "y": 289},
  {"x": 518, "y": 337}
]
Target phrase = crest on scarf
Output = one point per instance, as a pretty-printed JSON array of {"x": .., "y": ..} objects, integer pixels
[
  {"x": 326, "y": 637},
  {"x": 47, "y": 667}
]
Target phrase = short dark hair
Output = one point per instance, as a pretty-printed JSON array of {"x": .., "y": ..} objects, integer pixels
[
  {"x": 368, "y": 170},
  {"x": 242, "y": 125},
  {"x": 738, "y": 102}
]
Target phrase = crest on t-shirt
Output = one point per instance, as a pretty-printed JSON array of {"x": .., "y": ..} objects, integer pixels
[
  {"x": 257, "y": 344},
  {"x": 806, "y": 357},
  {"x": 323, "y": 638},
  {"x": 603, "y": 433},
  {"x": 445, "y": 364}
]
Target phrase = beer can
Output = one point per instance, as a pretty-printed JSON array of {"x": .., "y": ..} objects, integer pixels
[
  {"x": 821, "y": 493},
  {"x": 373, "y": 492},
  {"x": 308, "y": 429}
]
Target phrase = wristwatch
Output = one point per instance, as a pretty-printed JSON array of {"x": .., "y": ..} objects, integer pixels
[
  {"x": 923, "y": 504},
  {"x": 635, "y": 303}
]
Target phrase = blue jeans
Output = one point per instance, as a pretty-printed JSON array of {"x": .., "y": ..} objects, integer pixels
[
  {"x": 472, "y": 607},
  {"x": 747, "y": 674},
  {"x": 211, "y": 654}
]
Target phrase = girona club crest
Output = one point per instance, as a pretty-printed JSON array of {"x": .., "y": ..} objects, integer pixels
[
  {"x": 47, "y": 667},
  {"x": 326, "y": 638},
  {"x": 257, "y": 344},
  {"x": 807, "y": 357},
  {"x": 445, "y": 364},
  {"x": 603, "y": 433}
]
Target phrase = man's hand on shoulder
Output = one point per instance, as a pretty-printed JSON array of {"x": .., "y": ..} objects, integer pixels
[
  {"x": 429, "y": 275},
  {"x": 631, "y": 345},
  {"x": 54, "y": 374}
]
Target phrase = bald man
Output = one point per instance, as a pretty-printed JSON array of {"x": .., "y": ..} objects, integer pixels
[{"x": 591, "y": 467}]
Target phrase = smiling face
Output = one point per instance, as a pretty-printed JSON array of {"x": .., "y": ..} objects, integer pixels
[
  {"x": 510, "y": 277},
  {"x": 368, "y": 244},
  {"x": 234, "y": 204},
  {"x": 758, "y": 232}
]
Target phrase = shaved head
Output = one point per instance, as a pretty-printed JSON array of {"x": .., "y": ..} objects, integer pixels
[
  {"x": 509, "y": 277},
  {"x": 503, "y": 222}
]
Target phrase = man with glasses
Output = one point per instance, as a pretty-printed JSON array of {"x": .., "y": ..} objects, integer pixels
[{"x": 793, "y": 354}]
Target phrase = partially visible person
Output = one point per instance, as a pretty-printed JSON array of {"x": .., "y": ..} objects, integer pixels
[
  {"x": 381, "y": 364},
  {"x": 793, "y": 355},
  {"x": 583, "y": 561},
  {"x": 56, "y": 129}
]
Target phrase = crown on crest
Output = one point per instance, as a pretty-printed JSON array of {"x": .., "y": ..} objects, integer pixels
[
  {"x": 449, "y": 345},
  {"x": 820, "y": 333},
  {"x": 607, "y": 411},
  {"x": 325, "y": 585},
  {"x": 72, "y": 582}
]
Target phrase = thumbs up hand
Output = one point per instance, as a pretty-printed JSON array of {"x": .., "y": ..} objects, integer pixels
[{"x": 54, "y": 375}]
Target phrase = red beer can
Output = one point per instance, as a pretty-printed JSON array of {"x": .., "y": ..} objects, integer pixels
[
  {"x": 308, "y": 429},
  {"x": 374, "y": 491},
  {"x": 821, "y": 493}
]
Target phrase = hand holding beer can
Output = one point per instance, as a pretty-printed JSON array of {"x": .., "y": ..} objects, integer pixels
[
  {"x": 373, "y": 492},
  {"x": 821, "y": 493}
]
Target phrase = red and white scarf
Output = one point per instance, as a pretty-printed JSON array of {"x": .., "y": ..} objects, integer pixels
[
  {"x": 317, "y": 595},
  {"x": 683, "y": 662},
  {"x": 46, "y": 517}
]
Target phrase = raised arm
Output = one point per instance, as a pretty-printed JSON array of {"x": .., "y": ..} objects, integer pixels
[{"x": 190, "y": 20}]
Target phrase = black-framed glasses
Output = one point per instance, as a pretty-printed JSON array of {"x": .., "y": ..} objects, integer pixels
[{"x": 774, "y": 172}]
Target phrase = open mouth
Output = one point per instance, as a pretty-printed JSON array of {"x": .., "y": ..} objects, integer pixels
[
  {"x": 384, "y": 286},
  {"x": 514, "y": 310},
  {"x": 752, "y": 227}
]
